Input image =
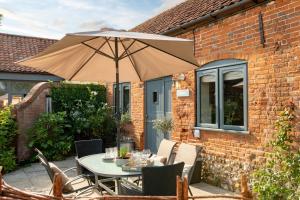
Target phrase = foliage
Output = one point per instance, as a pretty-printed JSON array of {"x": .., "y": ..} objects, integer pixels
[
  {"x": 90, "y": 121},
  {"x": 86, "y": 109},
  {"x": 164, "y": 125},
  {"x": 65, "y": 96},
  {"x": 125, "y": 118},
  {"x": 8, "y": 132},
  {"x": 123, "y": 152},
  {"x": 279, "y": 177},
  {"x": 48, "y": 135}
]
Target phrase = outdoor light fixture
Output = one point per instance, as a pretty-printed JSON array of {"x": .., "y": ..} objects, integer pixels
[{"x": 177, "y": 80}]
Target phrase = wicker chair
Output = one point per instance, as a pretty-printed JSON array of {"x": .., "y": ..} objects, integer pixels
[
  {"x": 85, "y": 148},
  {"x": 160, "y": 181}
]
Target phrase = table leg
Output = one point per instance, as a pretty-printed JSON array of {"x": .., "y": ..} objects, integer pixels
[
  {"x": 96, "y": 181},
  {"x": 118, "y": 185}
]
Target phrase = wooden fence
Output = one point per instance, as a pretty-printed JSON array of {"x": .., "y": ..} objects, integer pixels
[{"x": 8, "y": 192}]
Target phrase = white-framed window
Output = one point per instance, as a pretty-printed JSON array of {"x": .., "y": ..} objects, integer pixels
[{"x": 222, "y": 95}]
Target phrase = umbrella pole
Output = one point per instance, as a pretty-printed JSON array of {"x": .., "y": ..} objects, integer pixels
[{"x": 118, "y": 116}]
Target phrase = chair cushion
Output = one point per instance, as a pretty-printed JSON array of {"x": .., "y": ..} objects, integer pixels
[
  {"x": 160, "y": 159},
  {"x": 67, "y": 188},
  {"x": 186, "y": 169}
]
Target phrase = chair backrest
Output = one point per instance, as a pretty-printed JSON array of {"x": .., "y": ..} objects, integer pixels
[
  {"x": 161, "y": 181},
  {"x": 88, "y": 147},
  {"x": 43, "y": 160},
  {"x": 188, "y": 154},
  {"x": 165, "y": 149}
]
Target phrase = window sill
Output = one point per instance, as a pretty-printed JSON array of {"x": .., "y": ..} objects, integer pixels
[{"x": 222, "y": 130}]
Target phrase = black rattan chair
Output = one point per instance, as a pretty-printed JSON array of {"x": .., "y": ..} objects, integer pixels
[
  {"x": 86, "y": 148},
  {"x": 157, "y": 181}
]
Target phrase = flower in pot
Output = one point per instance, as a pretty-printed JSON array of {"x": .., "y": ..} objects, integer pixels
[
  {"x": 164, "y": 125},
  {"x": 123, "y": 157}
]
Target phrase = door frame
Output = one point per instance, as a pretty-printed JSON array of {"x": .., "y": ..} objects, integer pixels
[{"x": 145, "y": 103}]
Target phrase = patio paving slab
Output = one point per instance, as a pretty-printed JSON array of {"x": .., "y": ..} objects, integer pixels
[{"x": 34, "y": 178}]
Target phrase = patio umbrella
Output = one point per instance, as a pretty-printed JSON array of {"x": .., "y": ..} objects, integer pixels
[{"x": 115, "y": 56}]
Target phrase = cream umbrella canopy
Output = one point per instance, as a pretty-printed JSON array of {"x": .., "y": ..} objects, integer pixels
[{"x": 115, "y": 56}]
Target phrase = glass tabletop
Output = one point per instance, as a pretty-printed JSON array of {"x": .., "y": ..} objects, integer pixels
[{"x": 96, "y": 165}]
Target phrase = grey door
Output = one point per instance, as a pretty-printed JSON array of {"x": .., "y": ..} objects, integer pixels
[{"x": 158, "y": 105}]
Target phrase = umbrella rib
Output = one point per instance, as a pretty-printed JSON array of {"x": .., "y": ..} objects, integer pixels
[
  {"x": 98, "y": 51},
  {"x": 107, "y": 40},
  {"x": 126, "y": 49},
  {"x": 166, "y": 52},
  {"x": 134, "y": 52},
  {"x": 86, "y": 62},
  {"x": 131, "y": 60}
]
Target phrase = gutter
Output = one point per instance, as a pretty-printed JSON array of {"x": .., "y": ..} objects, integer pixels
[{"x": 219, "y": 14}]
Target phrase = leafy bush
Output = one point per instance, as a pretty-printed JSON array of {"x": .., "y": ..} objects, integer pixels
[
  {"x": 88, "y": 121},
  {"x": 86, "y": 109},
  {"x": 48, "y": 135},
  {"x": 279, "y": 177},
  {"x": 8, "y": 131},
  {"x": 66, "y": 96}
]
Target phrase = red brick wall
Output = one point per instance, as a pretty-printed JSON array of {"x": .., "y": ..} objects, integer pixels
[
  {"x": 273, "y": 79},
  {"x": 273, "y": 73},
  {"x": 27, "y": 112}
]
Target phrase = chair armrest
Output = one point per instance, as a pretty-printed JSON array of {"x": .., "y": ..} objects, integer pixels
[
  {"x": 67, "y": 170},
  {"x": 75, "y": 178}
]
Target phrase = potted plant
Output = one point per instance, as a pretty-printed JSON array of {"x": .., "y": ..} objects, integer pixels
[
  {"x": 165, "y": 125},
  {"x": 123, "y": 157},
  {"x": 126, "y": 128}
]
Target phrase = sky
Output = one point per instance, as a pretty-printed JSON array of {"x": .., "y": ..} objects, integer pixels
[{"x": 55, "y": 18}]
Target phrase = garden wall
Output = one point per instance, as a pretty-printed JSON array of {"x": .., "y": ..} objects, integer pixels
[{"x": 27, "y": 112}]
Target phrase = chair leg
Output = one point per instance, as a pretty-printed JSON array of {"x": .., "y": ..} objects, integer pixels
[
  {"x": 51, "y": 190},
  {"x": 190, "y": 191}
]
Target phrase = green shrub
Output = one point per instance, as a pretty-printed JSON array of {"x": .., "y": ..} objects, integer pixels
[
  {"x": 279, "y": 177},
  {"x": 92, "y": 122},
  {"x": 65, "y": 96},
  {"x": 48, "y": 135},
  {"x": 86, "y": 109},
  {"x": 8, "y": 131}
]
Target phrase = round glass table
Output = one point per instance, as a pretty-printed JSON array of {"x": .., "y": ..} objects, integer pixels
[{"x": 99, "y": 167}]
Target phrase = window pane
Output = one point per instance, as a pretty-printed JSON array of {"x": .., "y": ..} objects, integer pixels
[
  {"x": 3, "y": 94},
  {"x": 155, "y": 97},
  {"x": 126, "y": 99},
  {"x": 21, "y": 87},
  {"x": 233, "y": 98},
  {"x": 208, "y": 99}
]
